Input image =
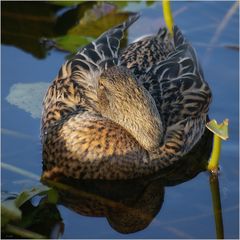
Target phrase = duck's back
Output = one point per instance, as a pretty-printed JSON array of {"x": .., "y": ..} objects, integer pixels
[{"x": 169, "y": 69}]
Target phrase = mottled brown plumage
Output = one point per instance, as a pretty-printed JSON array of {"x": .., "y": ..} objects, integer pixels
[{"x": 111, "y": 115}]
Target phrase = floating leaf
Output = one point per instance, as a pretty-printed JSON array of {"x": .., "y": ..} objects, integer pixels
[
  {"x": 98, "y": 19},
  {"x": 72, "y": 43}
]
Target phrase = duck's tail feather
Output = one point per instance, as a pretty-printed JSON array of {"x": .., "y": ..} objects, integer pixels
[
  {"x": 178, "y": 37},
  {"x": 103, "y": 52}
]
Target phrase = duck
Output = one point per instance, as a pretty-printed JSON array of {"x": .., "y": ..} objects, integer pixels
[{"x": 114, "y": 113}]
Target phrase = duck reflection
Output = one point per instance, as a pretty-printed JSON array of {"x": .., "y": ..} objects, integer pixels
[{"x": 129, "y": 205}]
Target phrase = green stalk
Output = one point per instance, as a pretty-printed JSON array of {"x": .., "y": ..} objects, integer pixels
[
  {"x": 167, "y": 14},
  {"x": 217, "y": 209},
  {"x": 215, "y": 156}
]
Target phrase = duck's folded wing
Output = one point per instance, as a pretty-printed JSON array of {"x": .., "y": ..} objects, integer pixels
[
  {"x": 177, "y": 84},
  {"x": 74, "y": 88}
]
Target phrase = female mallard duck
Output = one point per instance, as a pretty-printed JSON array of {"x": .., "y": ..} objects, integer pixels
[{"x": 111, "y": 115}]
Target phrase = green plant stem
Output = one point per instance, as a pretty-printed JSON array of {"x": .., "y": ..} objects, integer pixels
[
  {"x": 215, "y": 156},
  {"x": 23, "y": 232},
  {"x": 217, "y": 209},
  {"x": 167, "y": 14}
]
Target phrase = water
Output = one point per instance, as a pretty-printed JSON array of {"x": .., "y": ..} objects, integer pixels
[{"x": 187, "y": 208}]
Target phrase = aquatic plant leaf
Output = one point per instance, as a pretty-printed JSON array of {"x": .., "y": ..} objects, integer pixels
[
  {"x": 220, "y": 130},
  {"x": 71, "y": 43},
  {"x": 97, "y": 11},
  {"x": 96, "y": 28},
  {"x": 93, "y": 22},
  {"x": 98, "y": 19}
]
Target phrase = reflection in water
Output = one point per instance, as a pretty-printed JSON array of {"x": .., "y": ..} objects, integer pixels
[
  {"x": 130, "y": 205},
  {"x": 26, "y": 25}
]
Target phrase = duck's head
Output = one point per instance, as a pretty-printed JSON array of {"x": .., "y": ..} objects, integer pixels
[{"x": 125, "y": 101}]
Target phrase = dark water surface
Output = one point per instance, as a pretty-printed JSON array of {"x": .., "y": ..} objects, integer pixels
[{"x": 27, "y": 69}]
